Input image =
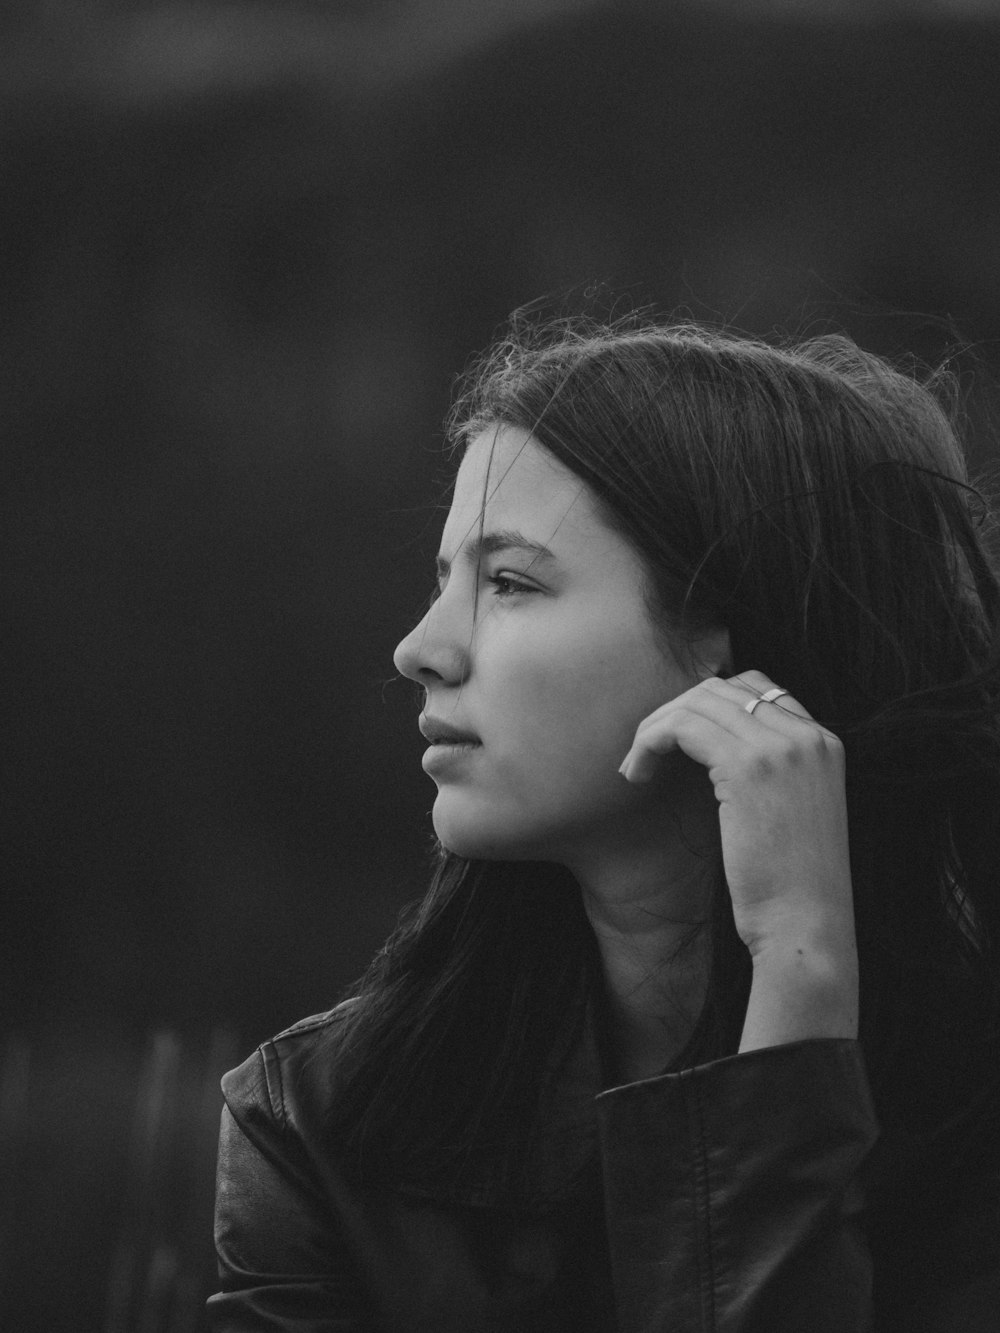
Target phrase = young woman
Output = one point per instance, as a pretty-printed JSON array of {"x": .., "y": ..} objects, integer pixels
[{"x": 696, "y": 1028}]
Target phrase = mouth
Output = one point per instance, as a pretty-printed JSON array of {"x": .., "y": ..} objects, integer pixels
[
  {"x": 443, "y": 733},
  {"x": 446, "y": 758}
]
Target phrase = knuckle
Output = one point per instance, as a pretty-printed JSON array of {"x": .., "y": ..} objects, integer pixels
[
  {"x": 835, "y": 750},
  {"x": 762, "y": 766},
  {"x": 795, "y": 752},
  {"x": 683, "y": 719}
]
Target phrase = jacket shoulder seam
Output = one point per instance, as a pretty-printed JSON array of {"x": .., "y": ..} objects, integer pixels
[
  {"x": 272, "y": 1060},
  {"x": 273, "y": 1082},
  {"x": 315, "y": 1021}
]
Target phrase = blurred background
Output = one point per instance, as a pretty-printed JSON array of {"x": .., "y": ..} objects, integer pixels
[{"x": 245, "y": 248}]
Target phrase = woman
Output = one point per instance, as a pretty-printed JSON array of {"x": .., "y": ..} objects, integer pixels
[{"x": 663, "y": 1048}]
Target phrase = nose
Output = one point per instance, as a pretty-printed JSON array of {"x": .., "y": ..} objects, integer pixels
[{"x": 437, "y": 649}]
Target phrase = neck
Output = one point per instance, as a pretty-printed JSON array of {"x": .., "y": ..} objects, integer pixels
[{"x": 649, "y": 906}]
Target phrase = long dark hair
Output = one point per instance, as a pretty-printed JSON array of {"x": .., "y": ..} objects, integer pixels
[{"x": 812, "y": 499}]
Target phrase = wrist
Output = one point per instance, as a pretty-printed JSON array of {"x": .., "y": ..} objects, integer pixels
[
  {"x": 803, "y": 986},
  {"x": 810, "y": 934}
]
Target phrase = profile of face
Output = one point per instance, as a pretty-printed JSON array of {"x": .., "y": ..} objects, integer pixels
[{"x": 539, "y": 658}]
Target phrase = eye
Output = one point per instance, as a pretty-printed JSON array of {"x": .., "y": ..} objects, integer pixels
[{"x": 507, "y": 585}]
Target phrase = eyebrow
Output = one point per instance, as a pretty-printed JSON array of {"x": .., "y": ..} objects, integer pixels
[{"x": 489, "y": 543}]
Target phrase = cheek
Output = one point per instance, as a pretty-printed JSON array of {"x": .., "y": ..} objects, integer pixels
[
  {"x": 571, "y": 724},
  {"x": 591, "y": 693}
]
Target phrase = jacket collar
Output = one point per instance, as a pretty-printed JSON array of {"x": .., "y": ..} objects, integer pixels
[{"x": 563, "y": 1162}]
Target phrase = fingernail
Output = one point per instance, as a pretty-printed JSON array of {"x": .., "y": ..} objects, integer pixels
[{"x": 623, "y": 770}]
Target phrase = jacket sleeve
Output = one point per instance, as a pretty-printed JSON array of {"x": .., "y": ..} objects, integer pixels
[
  {"x": 732, "y": 1195},
  {"x": 283, "y": 1267}
]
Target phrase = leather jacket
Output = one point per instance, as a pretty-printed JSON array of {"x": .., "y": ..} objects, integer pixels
[{"x": 747, "y": 1194}]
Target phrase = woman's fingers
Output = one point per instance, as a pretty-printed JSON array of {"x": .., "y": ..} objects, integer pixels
[
  {"x": 759, "y": 686},
  {"x": 705, "y": 721}
]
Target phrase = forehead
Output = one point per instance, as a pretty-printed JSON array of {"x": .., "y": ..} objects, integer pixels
[{"x": 507, "y": 480}]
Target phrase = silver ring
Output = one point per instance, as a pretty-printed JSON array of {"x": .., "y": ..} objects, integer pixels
[{"x": 767, "y": 698}]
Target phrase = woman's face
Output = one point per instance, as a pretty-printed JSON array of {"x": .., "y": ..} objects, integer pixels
[{"x": 548, "y": 675}]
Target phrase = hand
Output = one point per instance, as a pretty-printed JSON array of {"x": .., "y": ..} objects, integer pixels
[{"x": 778, "y": 776}]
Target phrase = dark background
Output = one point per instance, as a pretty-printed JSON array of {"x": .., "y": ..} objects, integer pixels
[{"x": 245, "y": 248}]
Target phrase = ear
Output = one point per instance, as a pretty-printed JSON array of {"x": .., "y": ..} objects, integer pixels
[{"x": 712, "y": 654}]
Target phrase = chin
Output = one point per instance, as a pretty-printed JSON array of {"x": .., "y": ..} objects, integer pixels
[{"x": 484, "y": 838}]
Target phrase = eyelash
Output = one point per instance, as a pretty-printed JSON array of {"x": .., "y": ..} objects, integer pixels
[
  {"x": 505, "y": 585},
  {"x": 513, "y": 585}
]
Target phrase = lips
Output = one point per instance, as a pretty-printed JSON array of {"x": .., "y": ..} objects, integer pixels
[{"x": 443, "y": 733}]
